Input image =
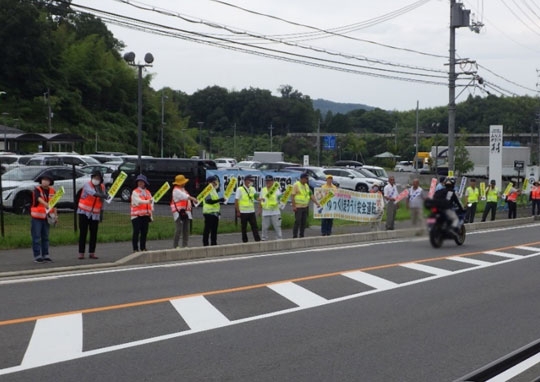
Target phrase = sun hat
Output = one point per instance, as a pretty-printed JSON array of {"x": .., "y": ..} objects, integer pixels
[
  {"x": 180, "y": 180},
  {"x": 268, "y": 178},
  {"x": 304, "y": 175},
  {"x": 329, "y": 176},
  {"x": 97, "y": 173},
  {"x": 45, "y": 177},
  {"x": 143, "y": 178}
]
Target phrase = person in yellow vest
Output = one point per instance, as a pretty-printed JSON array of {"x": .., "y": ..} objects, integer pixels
[
  {"x": 534, "y": 196},
  {"x": 492, "y": 197},
  {"x": 211, "y": 212},
  {"x": 269, "y": 209},
  {"x": 511, "y": 200},
  {"x": 301, "y": 195},
  {"x": 89, "y": 209},
  {"x": 142, "y": 207},
  {"x": 245, "y": 208},
  {"x": 181, "y": 210},
  {"x": 326, "y": 224},
  {"x": 472, "y": 196},
  {"x": 39, "y": 227}
]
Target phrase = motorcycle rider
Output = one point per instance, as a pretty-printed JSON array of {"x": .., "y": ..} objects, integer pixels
[{"x": 447, "y": 200}]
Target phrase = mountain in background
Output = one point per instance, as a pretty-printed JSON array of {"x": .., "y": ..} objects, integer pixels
[{"x": 335, "y": 107}]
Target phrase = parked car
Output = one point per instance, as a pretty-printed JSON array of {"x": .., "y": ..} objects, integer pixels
[
  {"x": 105, "y": 170},
  {"x": 247, "y": 165},
  {"x": 275, "y": 166},
  {"x": 379, "y": 171},
  {"x": 348, "y": 163},
  {"x": 161, "y": 170},
  {"x": 19, "y": 183},
  {"x": 350, "y": 179},
  {"x": 404, "y": 166},
  {"x": 45, "y": 160},
  {"x": 9, "y": 161},
  {"x": 225, "y": 162},
  {"x": 367, "y": 173},
  {"x": 78, "y": 160},
  {"x": 317, "y": 177}
]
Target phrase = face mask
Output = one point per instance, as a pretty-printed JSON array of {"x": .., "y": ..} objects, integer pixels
[{"x": 95, "y": 182}]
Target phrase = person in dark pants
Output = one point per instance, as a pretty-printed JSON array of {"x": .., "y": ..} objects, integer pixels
[
  {"x": 39, "y": 227},
  {"x": 534, "y": 196},
  {"x": 301, "y": 195},
  {"x": 211, "y": 212},
  {"x": 472, "y": 196},
  {"x": 492, "y": 197},
  {"x": 89, "y": 210},
  {"x": 511, "y": 199},
  {"x": 245, "y": 208},
  {"x": 142, "y": 206}
]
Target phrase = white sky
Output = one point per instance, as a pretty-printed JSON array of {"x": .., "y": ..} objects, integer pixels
[{"x": 508, "y": 45}]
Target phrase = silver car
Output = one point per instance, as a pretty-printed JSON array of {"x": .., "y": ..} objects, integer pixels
[{"x": 352, "y": 180}]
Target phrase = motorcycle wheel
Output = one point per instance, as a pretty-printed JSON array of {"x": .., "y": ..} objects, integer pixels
[
  {"x": 460, "y": 238},
  {"x": 436, "y": 238}
]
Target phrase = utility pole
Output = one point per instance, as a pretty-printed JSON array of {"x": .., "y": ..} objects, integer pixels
[
  {"x": 271, "y": 128},
  {"x": 416, "y": 142},
  {"x": 47, "y": 96},
  {"x": 234, "y": 140},
  {"x": 319, "y": 143},
  {"x": 163, "y": 98}
]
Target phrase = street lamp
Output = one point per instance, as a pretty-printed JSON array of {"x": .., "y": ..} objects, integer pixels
[{"x": 130, "y": 59}]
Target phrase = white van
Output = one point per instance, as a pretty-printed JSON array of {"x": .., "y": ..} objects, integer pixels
[{"x": 404, "y": 166}]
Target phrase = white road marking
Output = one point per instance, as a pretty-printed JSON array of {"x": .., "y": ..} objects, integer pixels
[
  {"x": 468, "y": 260},
  {"x": 371, "y": 280},
  {"x": 516, "y": 370},
  {"x": 298, "y": 295},
  {"x": 199, "y": 314},
  {"x": 504, "y": 254},
  {"x": 427, "y": 269},
  {"x": 55, "y": 339},
  {"x": 527, "y": 248}
]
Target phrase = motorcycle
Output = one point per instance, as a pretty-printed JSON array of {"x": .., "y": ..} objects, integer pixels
[{"x": 439, "y": 227}]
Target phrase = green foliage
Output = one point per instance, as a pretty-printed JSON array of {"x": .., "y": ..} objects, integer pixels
[{"x": 462, "y": 163}]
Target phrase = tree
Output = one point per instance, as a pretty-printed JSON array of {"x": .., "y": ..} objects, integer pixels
[{"x": 462, "y": 162}]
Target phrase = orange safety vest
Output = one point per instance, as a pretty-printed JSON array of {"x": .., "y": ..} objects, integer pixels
[
  {"x": 535, "y": 192},
  {"x": 512, "y": 197},
  {"x": 91, "y": 203},
  {"x": 181, "y": 204},
  {"x": 142, "y": 209},
  {"x": 38, "y": 210}
]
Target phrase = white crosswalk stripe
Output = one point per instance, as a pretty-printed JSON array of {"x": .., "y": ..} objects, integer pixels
[
  {"x": 427, "y": 269},
  {"x": 300, "y": 296},
  {"x": 198, "y": 313},
  {"x": 504, "y": 254},
  {"x": 468, "y": 260},
  {"x": 527, "y": 248},
  {"x": 371, "y": 280}
]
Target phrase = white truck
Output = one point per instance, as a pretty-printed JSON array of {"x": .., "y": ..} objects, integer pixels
[
  {"x": 268, "y": 156},
  {"x": 479, "y": 155}
]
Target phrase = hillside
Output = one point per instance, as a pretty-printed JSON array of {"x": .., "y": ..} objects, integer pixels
[{"x": 335, "y": 107}]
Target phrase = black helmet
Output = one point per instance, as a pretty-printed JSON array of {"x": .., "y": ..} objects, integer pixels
[{"x": 450, "y": 181}]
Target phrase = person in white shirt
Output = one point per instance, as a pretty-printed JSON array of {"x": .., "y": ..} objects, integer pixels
[
  {"x": 390, "y": 194},
  {"x": 415, "y": 203}
]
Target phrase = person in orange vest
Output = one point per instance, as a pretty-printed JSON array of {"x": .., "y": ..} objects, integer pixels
[
  {"x": 534, "y": 196},
  {"x": 39, "y": 227},
  {"x": 511, "y": 199},
  {"x": 142, "y": 207},
  {"x": 90, "y": 211},
  {"x": 181, "y": 210}
]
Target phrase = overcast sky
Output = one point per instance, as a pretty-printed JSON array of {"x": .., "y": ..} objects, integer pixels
[{"x": 387, "y": 37}]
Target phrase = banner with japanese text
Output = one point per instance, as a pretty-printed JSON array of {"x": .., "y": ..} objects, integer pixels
[{"x": 350, "y": 205}]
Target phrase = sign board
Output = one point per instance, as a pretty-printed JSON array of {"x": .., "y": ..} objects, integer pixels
[
  {"x": 519, "y": 165},
  {"x": 329, "y": 142}
]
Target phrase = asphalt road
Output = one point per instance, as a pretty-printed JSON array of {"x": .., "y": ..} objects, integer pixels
[{"x": 395, "y": 311}]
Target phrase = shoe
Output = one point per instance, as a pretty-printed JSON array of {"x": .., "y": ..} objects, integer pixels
[
  {"x": 93, "y": 256},
  {"x": 38, "y": 260},
  {"x": 81, "y": 256},
  {"x": 47, "y": 260}
]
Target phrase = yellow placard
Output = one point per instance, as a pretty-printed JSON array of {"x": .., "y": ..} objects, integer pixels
[
  {"x": 507, "y": 189},
  {"x": 285, "y": 197},
  {"x": 272, "y": 190},
  {"x": 483, "y": 190},
  {"x": 525, "y": 184},
  {"x": 117, "y": 184},
  {"x": 329, "y": 195},
  {"x": 56, "y": 197},
  {"x": 204, "y": 193},
  {"x": 162, "y": 191},
  {"x": 230, "y": 188},
  {"x": 450, "y": 173}
]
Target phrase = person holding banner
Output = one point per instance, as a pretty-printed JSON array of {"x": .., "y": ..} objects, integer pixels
[
  {"x": 245, "y": 208},
  {"x": 90, "y": 210},
  {"x": 142, "y": 207},
  {"x": 492, "y": 198},
  {"x": 390, "y": 194},
  {"x": 511, "y": 199},
  {"x": 472, "y": 196},
  {"x": 39, "y": 228},
  {"x": 181, "y": 210},
  {"x": 301, "y": 195},
  {"x": 211, "y": 212},
  {"x": 269, "y": 208},
  {"x": 326, "y": 224}
]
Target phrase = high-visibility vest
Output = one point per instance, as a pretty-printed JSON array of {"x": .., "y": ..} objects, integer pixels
[
  {"x": 270, "y": 203},
  {"x": 91, "y": 203},
  {"x": 512, "y": 197},
  {"x": 142, "y": 209},
  {"x": 38, "y": 210},
  {"x": 301, "y": 199},
  {"x": 473, "y": 194},
  {"x": 180, "y": 204},
  {"x": 212, "y": 208},
  {"x": 535, "y": 192},
  {"x": 492, "y": 194},
  {"x": 247, "y": 199}
]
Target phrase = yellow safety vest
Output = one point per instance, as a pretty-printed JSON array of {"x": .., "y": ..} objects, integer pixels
[
  {"x": 247, "y": 199},
  {"x": 492, "y": 194},
  {"x": 270, "y": 203},
  {"x": 212, "y": 208},
  {"x": 301, "y": 199},
  {"x": 473, "y": 194}
]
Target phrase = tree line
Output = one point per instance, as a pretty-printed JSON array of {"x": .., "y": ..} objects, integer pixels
[{"x": 70, "y": 61}]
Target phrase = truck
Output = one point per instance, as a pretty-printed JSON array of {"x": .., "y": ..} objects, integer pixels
[
  {"x": 479, "y": 155},
  {"x": 268, "y": 156}
]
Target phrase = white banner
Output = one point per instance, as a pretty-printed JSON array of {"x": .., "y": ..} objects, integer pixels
[{"x": 350, "y": 205}]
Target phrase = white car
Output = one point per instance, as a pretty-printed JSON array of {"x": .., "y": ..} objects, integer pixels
[
  {"x": 225, "y": 162},
  {"x": 404, "y": 166},
  {"x": 379, "y": 171},
  {"x": 350, "y": 179},
  {"x": 19, "y": 183},
  {"x": 247, "y": 165}
]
